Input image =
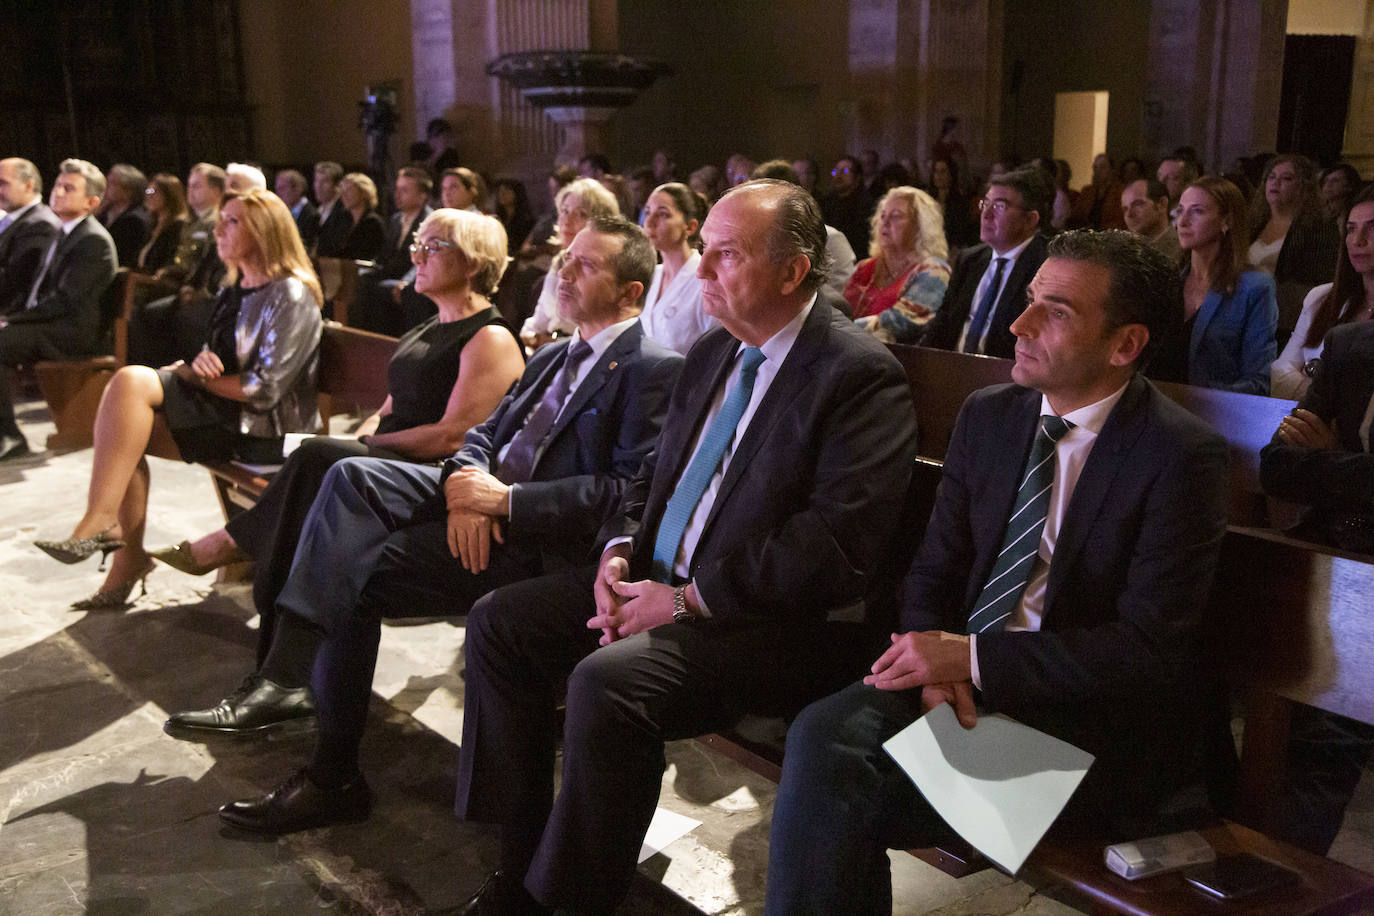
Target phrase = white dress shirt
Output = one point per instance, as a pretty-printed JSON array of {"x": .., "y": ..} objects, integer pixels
[
  {"x": 981, "y": 289},
  {"x": 1070, "y": 455},
  {"x": 673, "y": 316}
]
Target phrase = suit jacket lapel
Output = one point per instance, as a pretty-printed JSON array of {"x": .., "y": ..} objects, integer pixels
[
  {"x": 1211, "y": 303},
  {"x": 600, "y": 373},
  {"x": 1108, "y": 454},
  {"x": 672, "y": 464},
  {"x": 524, "y": 402}
]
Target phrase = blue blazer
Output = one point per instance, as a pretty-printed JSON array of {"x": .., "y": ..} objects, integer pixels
[{"x": 1232, "y": 344}]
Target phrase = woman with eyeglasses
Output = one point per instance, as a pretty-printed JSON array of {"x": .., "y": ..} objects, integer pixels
[
  {"x": 252, "y": 382},
  {"x": 1229, "y": 309},
  {"x": 897, "y": 289},
  {"x": 1348, "y": 299},
  {"x": 165, "y": 201},
  {"x": 447, "y": 375}
]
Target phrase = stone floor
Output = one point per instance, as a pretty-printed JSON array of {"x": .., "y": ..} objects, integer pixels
[{"x": 101, "y": 812}]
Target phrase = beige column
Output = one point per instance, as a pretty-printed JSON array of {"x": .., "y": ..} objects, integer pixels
[{"x": 1358, "y": 148}]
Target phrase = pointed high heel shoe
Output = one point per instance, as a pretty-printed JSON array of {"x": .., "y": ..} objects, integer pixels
[
  {"x": 74, "y": 550},
  {"x": 107, "y": 599},
  {"x": 180, "y": 559}
]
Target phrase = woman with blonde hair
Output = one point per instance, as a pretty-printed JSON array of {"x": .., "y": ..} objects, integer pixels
[
  {"x": 897, "y": 289},
  {"x": 252, "y": 383},
  {"x": 365, "y": 239},
  {"x": 577, "y": 203}
]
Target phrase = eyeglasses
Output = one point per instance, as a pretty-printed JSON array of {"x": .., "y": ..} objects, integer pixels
[
  {"x": 998, "y": 206},
  {"x": 420, "y": 252},
  {"x": 841, "y": 170}
]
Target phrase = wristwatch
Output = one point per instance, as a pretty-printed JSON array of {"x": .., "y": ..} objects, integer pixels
[{"x": 680, "y": 612}]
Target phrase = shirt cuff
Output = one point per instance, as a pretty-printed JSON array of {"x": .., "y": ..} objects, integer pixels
[
  {"x": 616, "y": 542},
  {"x": 512, "y": 489},
  {"x": 973, "y": 661},
  {"x": 702, "y": 609}
]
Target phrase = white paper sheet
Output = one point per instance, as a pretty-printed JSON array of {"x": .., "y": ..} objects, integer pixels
[
  {"x": 999, "y": 785},
  {"x": 666, "y": 827}
]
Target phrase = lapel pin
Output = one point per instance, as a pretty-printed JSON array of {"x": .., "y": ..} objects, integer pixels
[{"x": 613, "y": 365}]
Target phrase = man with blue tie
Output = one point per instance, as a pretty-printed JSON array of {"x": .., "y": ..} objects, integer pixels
[
  {"x": 774, "y": 488},
  {"x": 524, "y": 496},
  {"x": 987, "y": 288},
  {"x": 1062, "y": 580}
]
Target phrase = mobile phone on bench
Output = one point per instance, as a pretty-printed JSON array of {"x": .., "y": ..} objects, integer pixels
[{"x": 1238, "y": 876}]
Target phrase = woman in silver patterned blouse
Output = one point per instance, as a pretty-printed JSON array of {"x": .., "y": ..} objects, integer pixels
[{"x": 252, "y": 382}]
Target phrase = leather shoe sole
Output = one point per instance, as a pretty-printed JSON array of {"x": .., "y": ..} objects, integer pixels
[{"x": 299, "y": 804}]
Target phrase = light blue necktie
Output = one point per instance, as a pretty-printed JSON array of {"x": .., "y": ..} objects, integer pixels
[
  {"x": 697, "y": 477},
  {"x": 1011, "y": 573},
  {"x": 984, "y": 310}
]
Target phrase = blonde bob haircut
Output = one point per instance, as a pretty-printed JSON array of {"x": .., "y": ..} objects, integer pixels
[
  {"x": 275, "y": 238},
  {"x": 481, "y": 239},
  {"x": 596, "y": 201},
  {"x": 928, "y": 241},
  {"x": 364, "y": 184}
]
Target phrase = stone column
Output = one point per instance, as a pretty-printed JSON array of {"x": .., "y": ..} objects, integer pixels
[
  {"x": 1215, "y": 73},
  {"x": 912, "y": 63}
]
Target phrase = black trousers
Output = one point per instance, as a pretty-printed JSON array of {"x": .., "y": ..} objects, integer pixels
[
  {"x": 25, "y": 344},
  {"x": 624, "y": 700}
]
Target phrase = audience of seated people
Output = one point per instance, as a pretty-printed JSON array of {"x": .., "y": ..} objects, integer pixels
[
  {"x": 251, "y": 383},
  {"x": 59, "y": 316},
  {"x": 1199, "y": 299},
  {"x": 898, "y": 288}
]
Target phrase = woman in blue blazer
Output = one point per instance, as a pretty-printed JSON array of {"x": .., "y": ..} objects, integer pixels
[{"x": 1231, "y": 313}]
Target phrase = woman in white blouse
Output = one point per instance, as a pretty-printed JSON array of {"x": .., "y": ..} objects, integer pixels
[
  {"x": 1349, "y": 298},
  {"x": 672, "y": 310}
]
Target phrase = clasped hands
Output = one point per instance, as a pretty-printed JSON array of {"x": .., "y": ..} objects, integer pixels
[
  {"x": 935, "y": 661},
  {"x": 625, "y": 608},
  {"x": 476, "y": 503},
  {"x": 1305, "y": 429}
]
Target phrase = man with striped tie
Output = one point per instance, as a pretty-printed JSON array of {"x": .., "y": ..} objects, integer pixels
[
  {"x": 774, "y": 488},
  {"x": 1061, "y": 581}
]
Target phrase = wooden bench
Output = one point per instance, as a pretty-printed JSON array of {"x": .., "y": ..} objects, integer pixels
[
  {"x": 72, "y": 387},
  {"x": 339, "y": 281},
  {"x": 1301, "y": 610},
  {"x": 352, "y": 373}
]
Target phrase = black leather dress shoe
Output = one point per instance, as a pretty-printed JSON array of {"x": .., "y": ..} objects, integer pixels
[
  {"x": 13, "y": 447},
  {"x": 257, "y": 706},
  {"x": 493, "y": 899},
  {"x": 299, "y": 804}
]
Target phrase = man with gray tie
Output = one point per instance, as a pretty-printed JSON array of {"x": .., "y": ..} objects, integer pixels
[
  {"x": 772, "y": 492},
  {"x": 1064, "y": 575},
  {"x": 524, "y": 496},
  {"x": 60, "y": 317},
  {"x": 26, "y": 230},
  {"x": 987, "y": 288}
]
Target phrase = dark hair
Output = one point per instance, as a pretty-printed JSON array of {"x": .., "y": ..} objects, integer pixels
[
  {"x": 419, "y": 176},
  {"x": 1154, "y": 189},
  {"x": 1308, "y": 198},
  {"x": 777, "y": 169},
  {"x": 130, "y": 179},
  {"x": 947, "y": 124},
  {"x": 797, "y": 229},
  {"x": 564, "y": 175},
  {"x": 858, "y": 166},
  {"x": 636, "y": 260},
  {"x": 893, "y": 175},
  {"x": 1035, "y": 188},
  {"x": 1346, "y": 288},
  {"x": 1190, "y": 169},
  {"x": 296, "y": 178},
  {"x": 1352, "y": 177},
  {"x": 438, "y": 126},
  {"x": 1234, "y": 252},
  {"x": 952, "y": 167},
  {"x": 1145, "y": 288},
  {"x": 689, "y": 203},
  {"x": 214, "y": 175},
  {"x": 522, "y": 199},
  {"x": 597, "y": 161},
  {"x": 173, "y": 196}
]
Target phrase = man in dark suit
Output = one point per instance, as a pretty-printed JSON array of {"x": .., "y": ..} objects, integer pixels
[
  {"x": 334, "y": 218},
  {"x": 26, "y": 230},
  {"x": 377, "y": 306},
  {"x": 122, "y": 214},
  {"x": 712, "y": 593},
  {"x": 60, "y": 317},
  {"x": 987, "y": 288},
  {"x": 290, "y": 187},
  {"x": 1064, "y": 574},
  {"x": 524, "y": 496}
]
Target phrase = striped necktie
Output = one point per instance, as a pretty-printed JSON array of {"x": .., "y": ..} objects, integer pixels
[
  {"x": 697, "y": 477},
  {"x": 526, "y": 444},
  {"x": 1012, "y": 570}
]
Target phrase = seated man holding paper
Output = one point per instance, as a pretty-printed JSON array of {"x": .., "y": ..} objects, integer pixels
[{"x": 1062, "y": 580}]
